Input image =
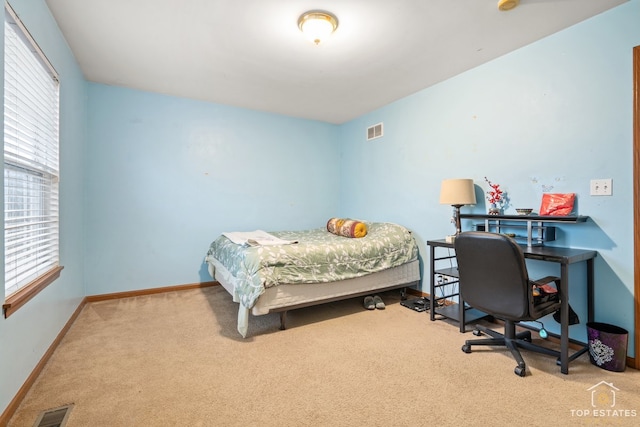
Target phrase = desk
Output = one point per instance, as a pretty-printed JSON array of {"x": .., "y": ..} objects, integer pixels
[{"x": 563, "y": 256}]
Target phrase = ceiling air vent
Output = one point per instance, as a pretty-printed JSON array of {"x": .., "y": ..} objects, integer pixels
[{"x": 374, "y": 132}]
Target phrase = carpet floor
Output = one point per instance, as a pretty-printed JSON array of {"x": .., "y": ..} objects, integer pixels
[{"x": 176, "y": 359}]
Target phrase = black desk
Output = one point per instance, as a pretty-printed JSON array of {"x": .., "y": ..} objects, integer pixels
[{"x": 563, "y": 256}]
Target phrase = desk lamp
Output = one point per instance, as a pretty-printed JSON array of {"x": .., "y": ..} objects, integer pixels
[{"x": 457, "y": 193}]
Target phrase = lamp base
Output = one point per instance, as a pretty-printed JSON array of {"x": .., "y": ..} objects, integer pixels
[{"x": 450, "y": 239}]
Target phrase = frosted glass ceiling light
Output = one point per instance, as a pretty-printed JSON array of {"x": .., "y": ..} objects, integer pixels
[
  {"x": 317, "y": 25},
  {"x": 505, "y": 5}
]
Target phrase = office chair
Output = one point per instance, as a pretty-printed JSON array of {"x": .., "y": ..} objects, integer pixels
[{"x": 494, "y": 279}]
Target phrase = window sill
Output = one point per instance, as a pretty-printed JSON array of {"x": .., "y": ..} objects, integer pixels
[{"x": 16, "y": 300}]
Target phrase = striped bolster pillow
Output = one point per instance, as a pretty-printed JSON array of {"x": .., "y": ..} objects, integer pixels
[{"x": 347, "y": 227}]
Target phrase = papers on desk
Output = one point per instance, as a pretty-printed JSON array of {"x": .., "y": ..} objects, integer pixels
[{"x": 256, "y": 238}]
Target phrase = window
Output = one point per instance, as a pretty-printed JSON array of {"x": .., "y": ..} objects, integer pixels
[{"x": 31, "y": 169}]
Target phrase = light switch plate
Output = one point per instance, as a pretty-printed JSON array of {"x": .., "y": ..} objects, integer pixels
[{"x": 601, "y": 187}]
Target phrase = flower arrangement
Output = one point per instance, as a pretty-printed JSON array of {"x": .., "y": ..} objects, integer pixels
[{"x": 495, "y": 195}]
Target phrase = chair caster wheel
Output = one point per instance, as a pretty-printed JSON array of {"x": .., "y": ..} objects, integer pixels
[
  {"x": 466, "y": 348},
  {"x": 520, "y": 371},
  {"x": 477, "y": 332}
]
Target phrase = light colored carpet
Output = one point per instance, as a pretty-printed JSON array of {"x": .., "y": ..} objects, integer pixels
[{"x": 175, "y": 359}]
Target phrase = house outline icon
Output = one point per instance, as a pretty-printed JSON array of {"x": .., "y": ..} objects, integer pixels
[{"x": 603, "y": 392}]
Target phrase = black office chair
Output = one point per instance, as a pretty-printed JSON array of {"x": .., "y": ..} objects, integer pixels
[{"x": 494, "y": 279}]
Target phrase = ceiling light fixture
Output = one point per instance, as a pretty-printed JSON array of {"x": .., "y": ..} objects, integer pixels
[
  {"x": 505, "y": 5},
  {"x": 317, "y": 25}
]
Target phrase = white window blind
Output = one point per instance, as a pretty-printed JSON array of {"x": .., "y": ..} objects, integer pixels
[{"x": 31, "y": 112}]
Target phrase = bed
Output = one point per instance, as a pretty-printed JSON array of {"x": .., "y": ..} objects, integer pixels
[{"x": 310, "y": 267}]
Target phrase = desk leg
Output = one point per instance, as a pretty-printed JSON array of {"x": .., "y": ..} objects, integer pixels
[
  {"x": 461, "y": 315},
  {"x": 432, "y": 288},
  {"x": 564, "y": 318},
  {"x": 590, "y": 298}
]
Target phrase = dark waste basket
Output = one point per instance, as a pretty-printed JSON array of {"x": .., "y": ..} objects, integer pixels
[{"x": 607, "y": 346}]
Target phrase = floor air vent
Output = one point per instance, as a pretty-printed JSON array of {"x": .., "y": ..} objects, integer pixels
[
  {"x": 56, "y": 417},
  {"x": 374, "y": 131}
]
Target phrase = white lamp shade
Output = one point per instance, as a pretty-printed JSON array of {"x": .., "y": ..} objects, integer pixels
[{"x": 457, "y": 192}]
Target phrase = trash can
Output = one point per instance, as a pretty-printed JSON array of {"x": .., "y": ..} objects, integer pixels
[{"x": 607, "y": 346}]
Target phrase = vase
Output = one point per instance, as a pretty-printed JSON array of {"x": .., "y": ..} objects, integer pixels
[{"x": 494, "y": 210}]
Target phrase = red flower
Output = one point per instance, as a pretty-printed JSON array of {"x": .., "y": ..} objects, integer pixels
[{"x": 495, "y": 194}]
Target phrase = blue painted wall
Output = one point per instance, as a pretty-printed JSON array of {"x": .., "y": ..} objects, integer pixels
[
  {"x": 149, "y": 180},
  {"x": 26, "y": 335},
  {"x": 550, "y": 116},
  {"x": 166, "y": 175}
]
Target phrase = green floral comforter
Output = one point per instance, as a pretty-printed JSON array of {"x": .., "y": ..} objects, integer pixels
[{"x": 319, "y": 256}]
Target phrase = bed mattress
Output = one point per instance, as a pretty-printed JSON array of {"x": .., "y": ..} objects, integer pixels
[
  {"x": 318, "y": 257},
  {"x": 320, "y": 266},
  {"x": 291, "y": 296}
]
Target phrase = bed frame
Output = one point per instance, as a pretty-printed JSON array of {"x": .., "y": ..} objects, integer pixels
[{"x": 285, "y": 297}]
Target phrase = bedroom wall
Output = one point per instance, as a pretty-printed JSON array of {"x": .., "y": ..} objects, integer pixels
[
  {"x": 548, "y": 117},
  {"x": 28, "y": 333},
  {"x": 166, "y": 176}
]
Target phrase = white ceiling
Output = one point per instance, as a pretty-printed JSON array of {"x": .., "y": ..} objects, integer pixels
[{"x": 250, "y": 53}]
